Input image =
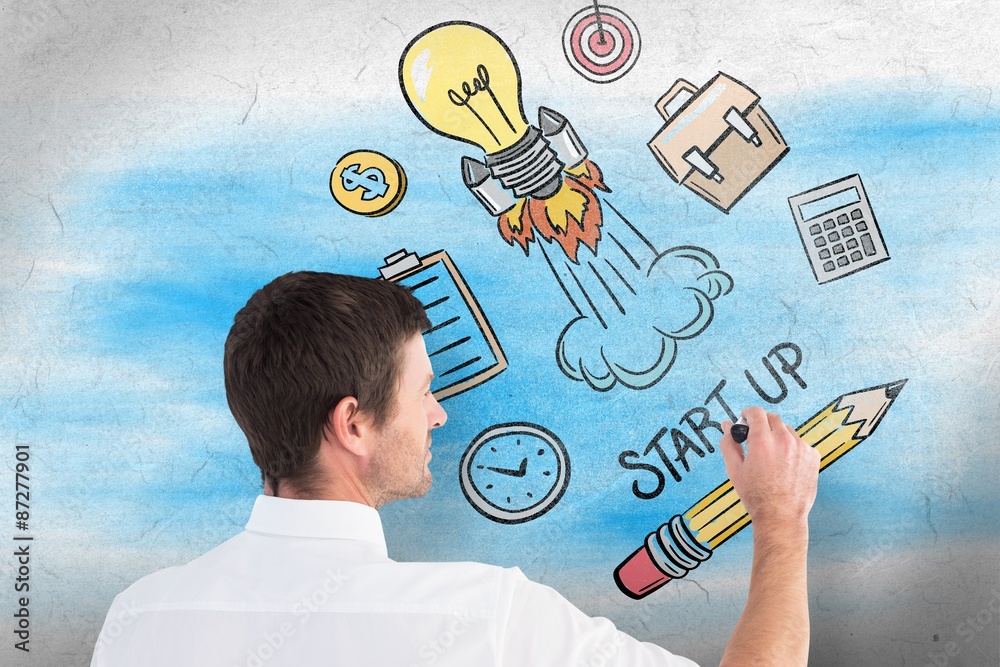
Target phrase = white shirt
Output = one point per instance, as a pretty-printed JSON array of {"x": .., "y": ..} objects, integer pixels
[{"x": 309, "y": 582}]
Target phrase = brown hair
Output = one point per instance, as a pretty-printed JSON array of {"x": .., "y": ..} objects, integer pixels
[{"x": 301, "y": 344}]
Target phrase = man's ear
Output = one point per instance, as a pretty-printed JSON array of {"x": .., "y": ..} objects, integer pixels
[{"x": 350, "y": 427}]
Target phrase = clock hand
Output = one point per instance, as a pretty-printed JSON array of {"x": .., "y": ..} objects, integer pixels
[
  {"x": 505, "y": 471},
  {"x": 520, "y": 472}
]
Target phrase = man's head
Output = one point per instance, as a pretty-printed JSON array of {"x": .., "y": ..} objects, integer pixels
[
  {"x": 309, "y": 342},
  {"x": 398, "y": 464}
]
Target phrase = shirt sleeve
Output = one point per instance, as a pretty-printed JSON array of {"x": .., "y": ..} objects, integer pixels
[
  {"x": 544, "y": 628},
  {"x": 116, "y": 630}
]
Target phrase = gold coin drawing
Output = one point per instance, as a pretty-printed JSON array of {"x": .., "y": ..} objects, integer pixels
[{"x": 368, "y": 183}]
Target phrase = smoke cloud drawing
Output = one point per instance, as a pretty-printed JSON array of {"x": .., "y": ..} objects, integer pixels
[{"x": 634, "y": 303}]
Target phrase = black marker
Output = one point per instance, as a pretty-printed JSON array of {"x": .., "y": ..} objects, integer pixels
[{"x": 740, "y": 430}]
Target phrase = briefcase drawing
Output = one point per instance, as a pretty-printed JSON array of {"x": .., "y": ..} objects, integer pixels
[{"x": 718, "y": 141}]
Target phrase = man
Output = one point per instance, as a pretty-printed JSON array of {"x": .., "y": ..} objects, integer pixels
[{"x": 329, "y": 379}]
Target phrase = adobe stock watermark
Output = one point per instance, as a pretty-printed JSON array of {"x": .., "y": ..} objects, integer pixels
[
  {"x": 604, "y": 653},
  {"x": 271, "y": 642},
  {"x": 883, "y": 543},
  {"x": 563, "y": 530},
  {"x": 114, "y": 627},
  {"x": 432, "y": 649},
  {"x": 988, "y": 618},
  {"x": 31, "y": 19}
]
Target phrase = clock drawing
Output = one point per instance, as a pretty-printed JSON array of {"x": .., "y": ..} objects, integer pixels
[{"x": 512, "y": 473}]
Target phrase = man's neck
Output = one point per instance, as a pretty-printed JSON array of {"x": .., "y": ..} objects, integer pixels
[{"x": 350, "y": 493}]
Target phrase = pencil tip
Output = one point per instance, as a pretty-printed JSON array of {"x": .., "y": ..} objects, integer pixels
[{"x": 893, "y": 389}]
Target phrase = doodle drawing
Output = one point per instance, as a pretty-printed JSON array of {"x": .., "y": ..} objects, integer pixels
[
  {"x": 685, "y": 541},
  {"x": 368, "y": 183},
  {"x": 838, "y": 229},
  {"x": 460, "y": 341},
  {"x": 633, "y": 302},
  {"x": 512, "y": 473},
  {"x": 717, "y": 141},
  {"x": 601, "y": 43}
]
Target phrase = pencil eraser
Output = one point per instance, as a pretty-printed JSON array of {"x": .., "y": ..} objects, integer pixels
[{"x": 638, "y": 576}]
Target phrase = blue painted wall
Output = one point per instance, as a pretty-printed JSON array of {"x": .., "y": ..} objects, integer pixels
[{"x": 130, "y": 242}]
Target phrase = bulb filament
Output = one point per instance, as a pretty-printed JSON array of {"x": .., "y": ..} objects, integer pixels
[{"x": 480, "y": 83}]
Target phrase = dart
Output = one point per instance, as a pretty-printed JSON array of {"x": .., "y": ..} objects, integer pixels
[{"x": 601, "y": 43}]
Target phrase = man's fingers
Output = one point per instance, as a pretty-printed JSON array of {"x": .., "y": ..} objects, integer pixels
[
  {"x": 774, "y": 421},
  {"x": 732, "y": 451},
  {"x": 812, "y": 450},
  {"x": 756, "y": 420}
]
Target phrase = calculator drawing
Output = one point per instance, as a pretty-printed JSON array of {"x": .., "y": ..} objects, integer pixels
[
  {"x": 838, "y": 229},
  {"x": 460, "y": 342}
]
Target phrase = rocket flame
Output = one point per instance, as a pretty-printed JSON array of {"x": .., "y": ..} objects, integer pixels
[
  {"x": 588, "y": 173},
  {"x": 569, "y": 217},
  {"x": 512, "y": 228}
]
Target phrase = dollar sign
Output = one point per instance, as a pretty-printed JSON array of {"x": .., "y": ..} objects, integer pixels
[{"x": 371, "y": 180}]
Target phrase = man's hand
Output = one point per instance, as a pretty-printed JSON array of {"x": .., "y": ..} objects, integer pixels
[
  {"x": 776, "y": 477},
  {"x": 776, "y": 480}
]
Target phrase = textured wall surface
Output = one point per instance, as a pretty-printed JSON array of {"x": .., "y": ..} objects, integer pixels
[{"x": 160, "y": 161}]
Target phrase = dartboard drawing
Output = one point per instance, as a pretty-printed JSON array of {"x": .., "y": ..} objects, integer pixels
[{"x": 601, "y": 43}]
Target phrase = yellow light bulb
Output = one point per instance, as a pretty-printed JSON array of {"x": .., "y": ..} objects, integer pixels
[{"x": 463, "y": 83}]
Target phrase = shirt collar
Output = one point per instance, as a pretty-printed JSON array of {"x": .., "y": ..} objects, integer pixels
[{"x": 336, "y": 519}]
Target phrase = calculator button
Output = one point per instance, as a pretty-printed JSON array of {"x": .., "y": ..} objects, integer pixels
[
  {"x": 852, "y": 244},
  {"x": 824, "y": 253},
  {"x": 856, "y": 256},
  {"x": 820, "y": 241},
  {"x": 842, "y": 218},
  {"x": 829, "y": 266},
  {"x": 847, "y": 231},
  {"x": 866, "y": 243},
  {"x": 856, "y": 214},
  {"x": 838, "y": 249},
  {"x": 829, "y": 224},
  {"x": 861, "y": 226},
  {"x": 843, "y": 261},
  {"x": 833, "y": 236},
  {"x": 815, "y": 229}
]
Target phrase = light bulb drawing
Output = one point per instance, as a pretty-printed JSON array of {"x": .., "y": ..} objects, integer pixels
[
  {"x": 475, "y": 99},
  {"x": 462, "y": 82},
  {"x": 632, "y": 301},
  {"x": 480, "y": 83}
]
